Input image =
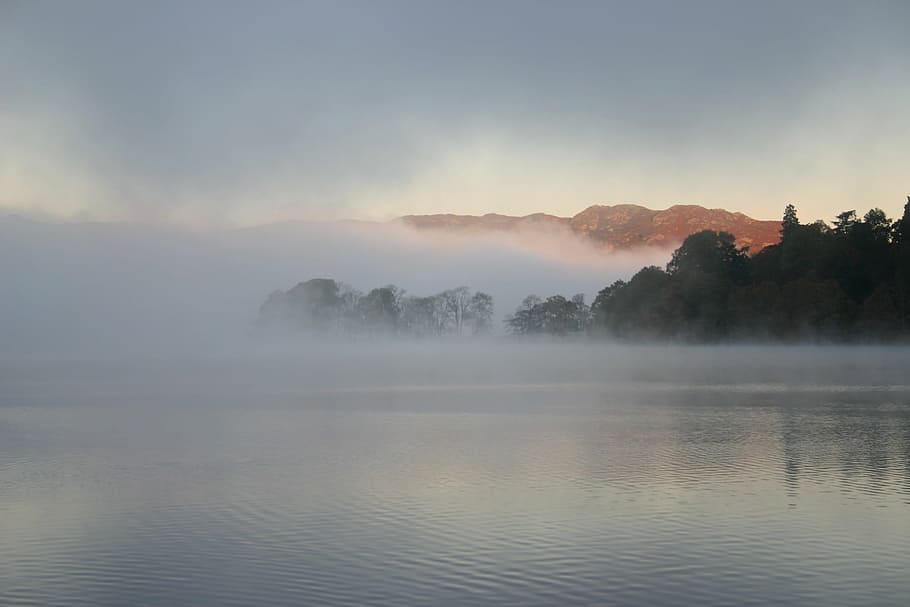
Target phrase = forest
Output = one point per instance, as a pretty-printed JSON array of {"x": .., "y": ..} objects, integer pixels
[{"x": 848, "y": 281}]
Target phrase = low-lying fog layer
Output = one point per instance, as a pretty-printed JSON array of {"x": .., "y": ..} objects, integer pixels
[
  {"x": 458, "y": 369},
  {"x": 72, "y": 289}
]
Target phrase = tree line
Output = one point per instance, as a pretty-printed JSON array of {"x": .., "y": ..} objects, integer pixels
[
  {"x": 326, "y": 307},
  {"x": 846, "y": 281}
]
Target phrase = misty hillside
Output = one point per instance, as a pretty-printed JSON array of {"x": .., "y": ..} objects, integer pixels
[{"x": 617, "y": 227}]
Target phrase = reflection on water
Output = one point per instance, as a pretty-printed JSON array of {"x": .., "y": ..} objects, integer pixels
[{"x": 514, "y": 476}]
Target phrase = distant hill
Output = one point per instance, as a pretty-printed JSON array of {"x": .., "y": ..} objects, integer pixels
[{"x": 621, "y": 226}]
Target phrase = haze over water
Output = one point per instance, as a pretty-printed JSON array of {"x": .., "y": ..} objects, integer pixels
[
  {"x": 506, "y": 474},
  {"x": 192, "y": 192}
]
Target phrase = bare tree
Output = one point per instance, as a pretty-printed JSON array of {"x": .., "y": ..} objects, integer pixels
[
  {"x": 480, "y": 312},
  {"x": 456, "y": 302}
]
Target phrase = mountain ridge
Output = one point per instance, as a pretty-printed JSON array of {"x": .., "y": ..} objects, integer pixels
[
  {"x": 617, "y": 227},
  {"x": 607, "y": 227}
]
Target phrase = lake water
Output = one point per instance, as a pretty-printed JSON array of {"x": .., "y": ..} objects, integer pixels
[{"x": 451, "y": 475}]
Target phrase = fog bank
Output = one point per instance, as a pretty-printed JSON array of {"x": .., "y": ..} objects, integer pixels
[{"x": 102, "y": 288}]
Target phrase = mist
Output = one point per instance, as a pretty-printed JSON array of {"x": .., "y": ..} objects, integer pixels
[
  {"x": 95, "y": 289},
  {"x": 230, "y": 376}
]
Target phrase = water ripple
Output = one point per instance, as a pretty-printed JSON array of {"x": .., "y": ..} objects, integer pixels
[{"x": 591, "y": 494}]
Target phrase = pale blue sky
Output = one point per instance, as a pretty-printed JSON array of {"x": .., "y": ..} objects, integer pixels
[{"x": 248, "y": 112}]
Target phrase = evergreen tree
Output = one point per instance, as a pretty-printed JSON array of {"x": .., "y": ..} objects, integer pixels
[
  {"x": 901, "y": 238},
  {"x": 901, "y": 228},
  {"x": 845, "y": 222},
  {"x": 790, "y": 222}
]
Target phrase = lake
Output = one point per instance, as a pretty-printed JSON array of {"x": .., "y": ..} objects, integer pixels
[{"x": 505, "y": 474}]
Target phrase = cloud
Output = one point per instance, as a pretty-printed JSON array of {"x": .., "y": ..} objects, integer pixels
[{"x": 223, "y": 112}]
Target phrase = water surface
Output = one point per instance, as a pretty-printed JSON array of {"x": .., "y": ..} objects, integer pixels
[{"x": 417, "y": 475}]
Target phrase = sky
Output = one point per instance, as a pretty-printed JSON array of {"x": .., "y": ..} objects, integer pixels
[{"x": 242, "y": 113}]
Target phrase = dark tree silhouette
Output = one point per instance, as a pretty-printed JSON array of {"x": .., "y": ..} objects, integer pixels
[
  {"x": 845, "y": 222},
  {"x": 790, "y": 222},
  {"x": 555, "y": 315},
  {"x": 851, "y": 281}
]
